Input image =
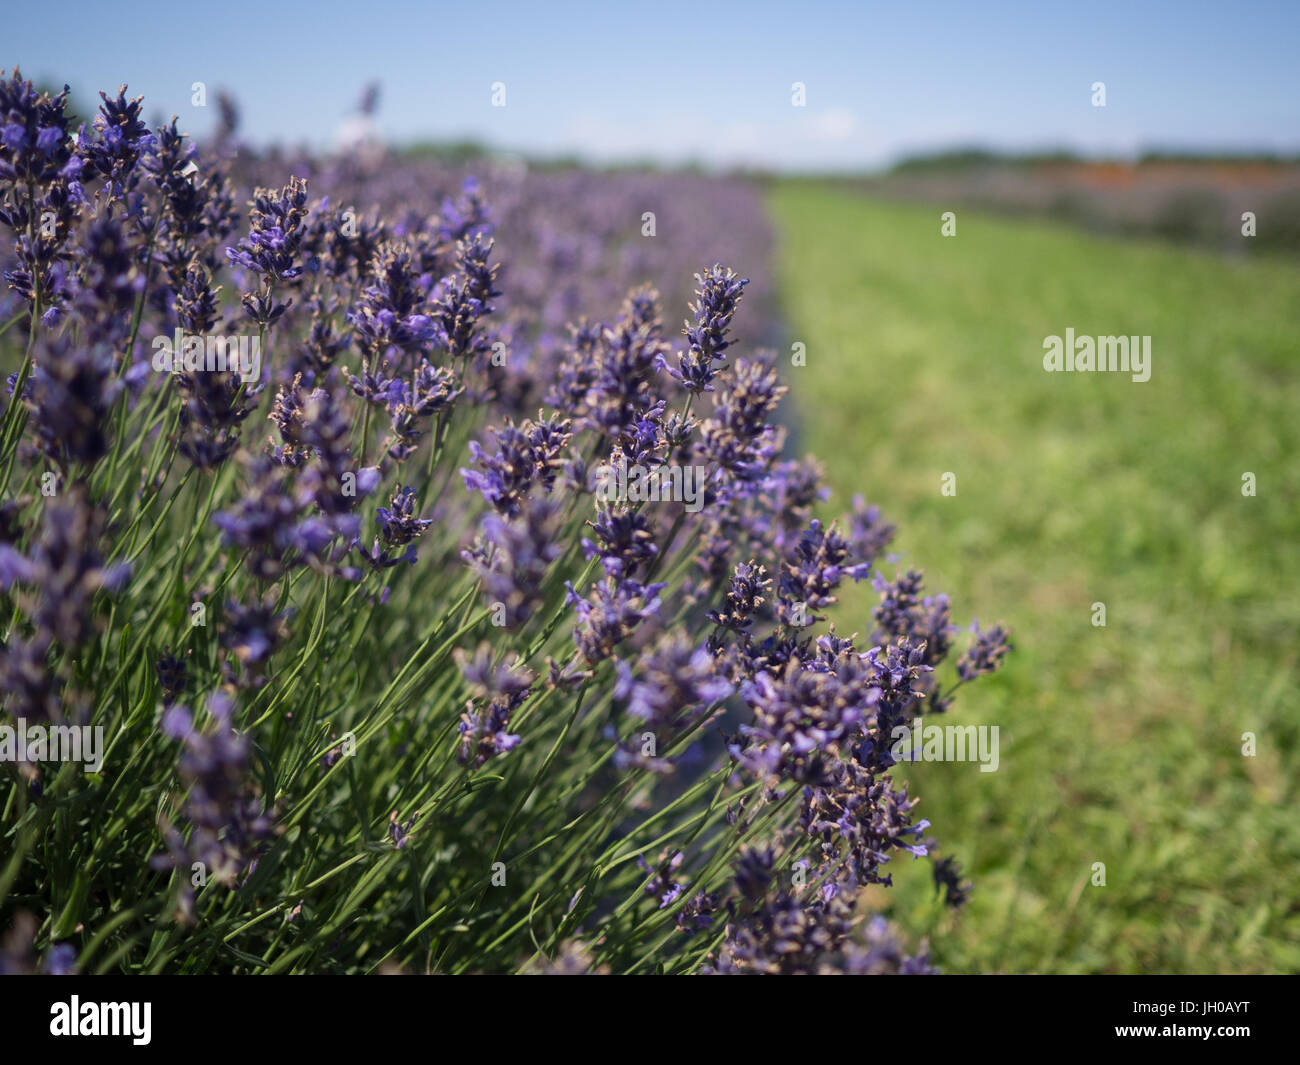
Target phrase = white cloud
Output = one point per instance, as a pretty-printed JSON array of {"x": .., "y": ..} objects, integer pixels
[{"x": 837, "y": 124}]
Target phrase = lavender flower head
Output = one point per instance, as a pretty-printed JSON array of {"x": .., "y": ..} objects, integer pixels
[
  {"x": 228, "y": 821},
  {"x": 718, "y": 296},
  {"x": 498, "y": 691}
]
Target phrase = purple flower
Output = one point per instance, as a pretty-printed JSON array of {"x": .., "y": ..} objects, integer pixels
[
  {"x": 985, "y": 654},
  {"x": 571, "y": 387},
  {"x": 869, "y": 534},
  {"x": 860, "y": 820},
  {"x": 398, "y": 528},
  {"x": 196, "y": 301},
  {"x": 811, "y": 573},
  {"x": 746, "y": 593},
  {"x": 803, "y": 713},
  {"x": 463, "y": 298},
  {"x": 433, "y": 391},
  {"x": 61, "y": 960},
  {"x": 718, "y": 296},
  {"x": 738, "y": 438},
  {"x": 628, "y": 360},
  {"x": 525, "y": 455},
  {"x": 252, "y": 632},
  {"x": 623, "y": 541},
  {"x": 400, "y": 832},
  {"x": 498, "y": 692},
  {"x": 903, "y": 611},
  {"x": 265, "y": 519},
  {"x": 465, "y": 217},
  {"x": 34, "y": 136},
  {"x": 662, "y": 883},
  {"x": 111, "y": 281},
  {"x": 698, "y": 913},
  {"x": 275, "y": 232},
  {"x": 63, "y": 570},
  {"x": 120, "y": 137},
  {"x": 786, "y": 935},
  {"x": 73, "y": 390},
  {"x": 513, "y": 557},
  {"x": 948, "y": 880},
  {"x": 391, "y": 313},
  {"x": 610, "y": 613},
  {"x": 670, "y": 683},
  {"x": 172, "y": 671},
  {"x": 809, "y": 933},
  {"x": 755, "y": 870},
  {"x": 228, "y": 822}
]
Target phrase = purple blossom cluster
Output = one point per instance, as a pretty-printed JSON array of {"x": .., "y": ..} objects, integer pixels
[
  {"x": 498, "y": 691},
  {"x": 504, "y": 330},
  {"x": 775, "y": 931},
  {"x": 228, "y": 820},
  {"x": 56, "y": 584}
]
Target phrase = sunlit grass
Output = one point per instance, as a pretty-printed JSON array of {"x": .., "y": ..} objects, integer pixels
[{"x": 1120, "y": 744}]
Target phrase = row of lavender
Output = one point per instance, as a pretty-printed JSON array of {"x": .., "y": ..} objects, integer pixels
[{"x": 307, "y": 515}]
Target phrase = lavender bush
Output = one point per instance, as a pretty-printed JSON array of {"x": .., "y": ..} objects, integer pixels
[{"x": 307, "y": 474}]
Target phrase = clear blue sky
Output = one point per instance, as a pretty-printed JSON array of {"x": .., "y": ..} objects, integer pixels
[{"x": 704, "y": 80}]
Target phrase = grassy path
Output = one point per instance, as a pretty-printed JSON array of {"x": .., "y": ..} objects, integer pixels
[{"x": 1120, "y": 744}]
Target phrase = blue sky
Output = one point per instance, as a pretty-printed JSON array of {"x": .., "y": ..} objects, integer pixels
[{"x": 701, "y": 81}]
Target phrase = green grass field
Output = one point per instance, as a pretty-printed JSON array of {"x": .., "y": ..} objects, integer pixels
[{"x": 1120, "y": 744}]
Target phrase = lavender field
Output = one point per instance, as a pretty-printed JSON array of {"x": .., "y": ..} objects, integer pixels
[
  {"x": 502, "y": 489},
  {"x": 424, "y": 598}
]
